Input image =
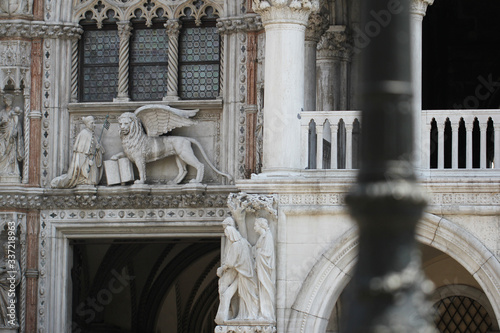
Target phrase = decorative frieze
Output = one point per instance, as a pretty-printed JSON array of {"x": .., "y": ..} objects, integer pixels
[
  {"x": 245, "y": 329},
  {"x": 113, "y": 198},
  {"x": 37, "y": 29},
  {"x": 230, "y": 25},
  {"x": 16, "y": 7}
]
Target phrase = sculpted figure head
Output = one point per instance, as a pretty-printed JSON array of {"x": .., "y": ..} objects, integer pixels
[
  {"x": 128, "y": 122},
  {"x": 89, "y": 122},
  {"x": 261, "y": 225}
]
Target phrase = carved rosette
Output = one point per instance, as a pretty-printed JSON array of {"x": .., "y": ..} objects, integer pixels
[
  {"x": 285, "y": 11},
  {"x": 419, "y": 7},
  {"x": 316, "y": 26},
  {"x": 335, "y": 44}
]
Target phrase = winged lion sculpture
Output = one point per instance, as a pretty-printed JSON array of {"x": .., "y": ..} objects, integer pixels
[{"x": 142, "y": 148}]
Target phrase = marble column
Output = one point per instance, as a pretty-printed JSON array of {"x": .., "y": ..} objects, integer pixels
[
  {"x": 124, "y": 31},
  {"x": 35, "y": 115},
  {"x": 417, "y": 13},
  {"x": 316, "y": 26},
  {"x": 33, "y": 228},
  {"x": 285, "y": 26},
  {"x": 173, "y": 30}
]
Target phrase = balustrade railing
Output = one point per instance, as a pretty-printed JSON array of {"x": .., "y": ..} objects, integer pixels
[{"x": 452, "y": 139}]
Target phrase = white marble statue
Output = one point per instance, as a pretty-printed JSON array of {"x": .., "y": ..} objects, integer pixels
[
  {"x": 237, "y": 283},
  {"x": 10, "y": 276},
  {"x": 11, "y": 141},
  {"x": 142, "y": 148},
  {"x": 265, "y": 267},
  {"x": 86, "y": 165}
]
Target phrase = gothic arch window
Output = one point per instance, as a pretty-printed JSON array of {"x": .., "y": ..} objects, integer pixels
[
  {"x": 148, "y": 51},
  {"x": 461, "y": 314}
]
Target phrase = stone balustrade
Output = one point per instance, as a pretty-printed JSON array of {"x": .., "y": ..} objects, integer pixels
[{"x": 451, "y": 139}]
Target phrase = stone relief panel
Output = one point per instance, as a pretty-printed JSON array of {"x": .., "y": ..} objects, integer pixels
[
  {"x": 247, "y": 275},
  {"x": 16, "y": 7}
]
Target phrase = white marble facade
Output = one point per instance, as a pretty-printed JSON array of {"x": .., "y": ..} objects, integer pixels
[{"x": 297, "y": 288}]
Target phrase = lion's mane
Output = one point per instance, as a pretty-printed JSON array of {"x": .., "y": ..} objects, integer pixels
[{"x": 134, "y": 140}]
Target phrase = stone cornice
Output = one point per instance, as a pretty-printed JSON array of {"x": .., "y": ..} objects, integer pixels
[
  {"x": 39, "y": 29},
  {"x": 116, "y": 197},
  {"x": 285, "y": 11},
  {"x": 419, "y": 7},
  {"x": 230, "y": 25}
]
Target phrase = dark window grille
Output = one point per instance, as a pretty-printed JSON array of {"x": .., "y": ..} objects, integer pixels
[
  {"x": 148, "y": 62},
  {"x": 461, "y": 314},
  {"x": 99, "y": 53},
  {"x": 199, "y": 48}
]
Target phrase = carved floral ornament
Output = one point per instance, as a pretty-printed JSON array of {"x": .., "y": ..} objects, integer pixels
[
  {"x": 125, "y": 10},
  {"x": 419, "y": 7}
]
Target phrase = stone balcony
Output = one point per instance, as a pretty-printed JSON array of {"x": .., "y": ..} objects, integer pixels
[{"x": 454, "y": 143}]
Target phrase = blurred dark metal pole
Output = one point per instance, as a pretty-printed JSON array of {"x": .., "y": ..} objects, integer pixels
[{"x": 388, "y": 289}]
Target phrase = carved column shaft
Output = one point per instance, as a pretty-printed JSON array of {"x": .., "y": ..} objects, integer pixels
[
  {"x": 251, "y": 110},
  {"x": 74, "y": 71},
  {"x": 33, "y": 228},
  {"x": 35, "y": 115},
  {"x": 173, "y": 30},
  {"x": 124, "y": 31},
  {"x": 221, "y": 66}
]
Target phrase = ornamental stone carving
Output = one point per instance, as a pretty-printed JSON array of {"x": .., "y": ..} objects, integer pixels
[
  {"x": 335, "y": 43},
  {"x": 247, "y": 284},
  {"x": 230, "y": 25},
  {"x": 419, "y": 7},
  {"x": 16, "y": 7},
  {"x": 285, "y": 10},
  {"x": 142, "y": 148},
  {"x": 317, "y": 24},
  {"x": 11, "y": 141},
  {"x": 27, "y": 29}
]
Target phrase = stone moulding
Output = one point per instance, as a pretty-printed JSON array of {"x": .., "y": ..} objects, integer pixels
[
  {"x": 245, "y": 329},
  {"x": 38, "y": 29},
  {"x": 90, "y": 197}
]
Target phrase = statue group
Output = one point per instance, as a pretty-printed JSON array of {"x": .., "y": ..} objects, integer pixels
[{"x": 247, "y": 275}]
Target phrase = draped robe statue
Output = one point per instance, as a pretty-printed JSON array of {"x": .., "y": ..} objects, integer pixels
[
  {"x": 86, "y": 164},
  {"x": 237, "y": 285},
  {"x": 11, "y": 141},
  {"x": 265, "y": 266}
]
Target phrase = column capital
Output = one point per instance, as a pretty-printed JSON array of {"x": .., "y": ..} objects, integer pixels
[
  {"x": 285, "y": 11},
  {"x": 124, "y": 29},
  {"x": 317, "y": 24},
  {"x": 335, "y": 43},
  {"x": 419, "y": 7},
  {"x": 173, "y": 27}
]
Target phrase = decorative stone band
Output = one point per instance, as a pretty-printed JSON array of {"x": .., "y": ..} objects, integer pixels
[
  {"x": 38, "y": 29},
  {"x": 245, "y": 329},
  {"x": 231, "y": 25},
  {"x": 114, "y": 198}
]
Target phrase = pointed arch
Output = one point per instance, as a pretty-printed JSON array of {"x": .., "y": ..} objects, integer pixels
[{"x": 331, "y": 273}]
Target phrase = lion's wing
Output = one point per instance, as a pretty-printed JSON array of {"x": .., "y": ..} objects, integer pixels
[{"x": 161, "y": 119}]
